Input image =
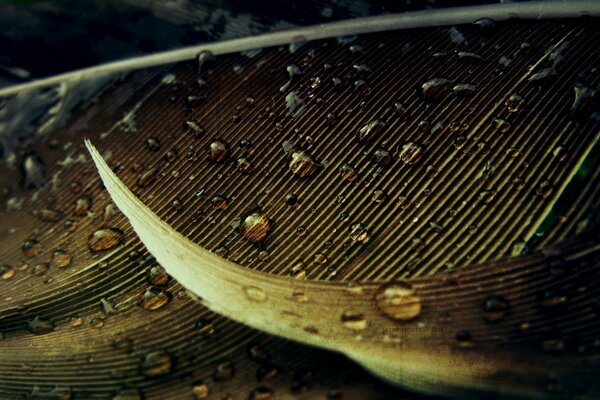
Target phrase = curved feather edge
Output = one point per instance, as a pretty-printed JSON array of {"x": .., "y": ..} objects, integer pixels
[{"x": 421, "y": 353}]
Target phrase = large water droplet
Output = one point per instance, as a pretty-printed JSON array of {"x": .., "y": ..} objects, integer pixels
[
  {"x": 255, "y": 226},
  {"x": 105, "y": 239},
  {"x": 301, "y": 164},
  {"x": 398, "y": 300}
]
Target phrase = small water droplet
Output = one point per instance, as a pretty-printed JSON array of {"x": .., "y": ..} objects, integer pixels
[
  {"x": 358, "y": 232},
  {"x": 224, "y": 371},
  {"x": 147, "y": 177},
  {"x": 464, "y": 89},
  {"x": 49, "y": 215},
  {"x": 156, "y": 363},
  {"x": 435, "y": 88},
  {"x": 31, "y": 248},
  {"x": 6, "y": 272},
  {"x": 82, "y": 206},
  {"x": 157, "y": 276},
  {"x": 494, "y": 308},
  {"x": 301, "y": 164},
  {"x": 60, "y": 258},
  {"x": 255, "y": 294},
  {"x": 348, "y": 173},
  {"x": 398, "y": 301},
  {"x": 105, "y": 239},
  {"x": 544, "y": 189},
  {"x": 155, "y": 298},
  {"x": 152, "y": 143},
  {"x": 370, "y": 131},
  {"x": 219, "y": 202},
  {"x": 502, "y": 125},
  {"x": 515, "y": 103},
  {"x": 255, "y": 226},
  {"x": 410, "y": 152},
  {"x": 39, "y": 326},
  {"x": 33, "y": 171},
  {"x": 218, "y": 151},
  {"x": 200, "y": 391},
  {"x": 354, "y": 321}
]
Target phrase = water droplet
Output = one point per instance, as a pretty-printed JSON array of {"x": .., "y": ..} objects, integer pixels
[
  {"x": 584, "y": 100},
  {"x": 156, "y": 363},
  {"x": 147, "y": 177},
  {"x": 255, "y": 226},
  {"x": 410, "y": 152},
  {"x": 560, "y": 152},
  {"x": 358, "y": 232},
  {"x": 219, "y": 202},
  {"x": 261, "y": 393},
  {"x": 6, "y": 272},
  {"x": 152, "y": 143},
  {"x": 205, "y": 327},
  {"x": 544, "y": 189},
  {"x": 39, "y": 326},
  {"x": 494, "y": 308},
  {"x": 464, "y": 89},
  {"x": 435, "y": 88},
  {"x": 486, "y": 196},
  {"x": 255, "y": 294},
  {"x": 224, "y": 371},
  {"x": 157, "y": 276},
  {"x": 348, "y": 173},
  {"x": 515, "y": 103},
  {"x": 464, "y": 338},
  {"x": 298, "y": 270},
  {"x": 398, "y": 301},
  {"x": 354, "y": 321},
  {"x": 82, "y": 206},
  {"x": 97, "y": 322},
  {"x": 41, "y": 268},
  {"x": 543, "y": 75},
  {"x": 263, "y": 255},
  {"x": 470, "y": 57},
  {"x": 301, "y": 164},
  {"x": 33, "y": 171},
  {"x": 502, "y": 125},
  {"x": 218, "y": 151},
  {"x": 320, "y": 258},
  {"x": 243, "y": 165},
  {"x": 49, "y": 215},
  {"x": 291, "y": 200},
  {"x": 200, "y": 391},
  {"x": 379, "y": 196},
  {"x": 128, "y": 394},
  {"x": 60, "y": 258},
  {"x": 155, "y": 298},
  {"x": 105, "y": 239},
  {"x": 370, "y": 131},
  {"x": 31, "y": 248},
  {"x": 382, "y": 157},
  {"x": 205, "y": 58}
]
